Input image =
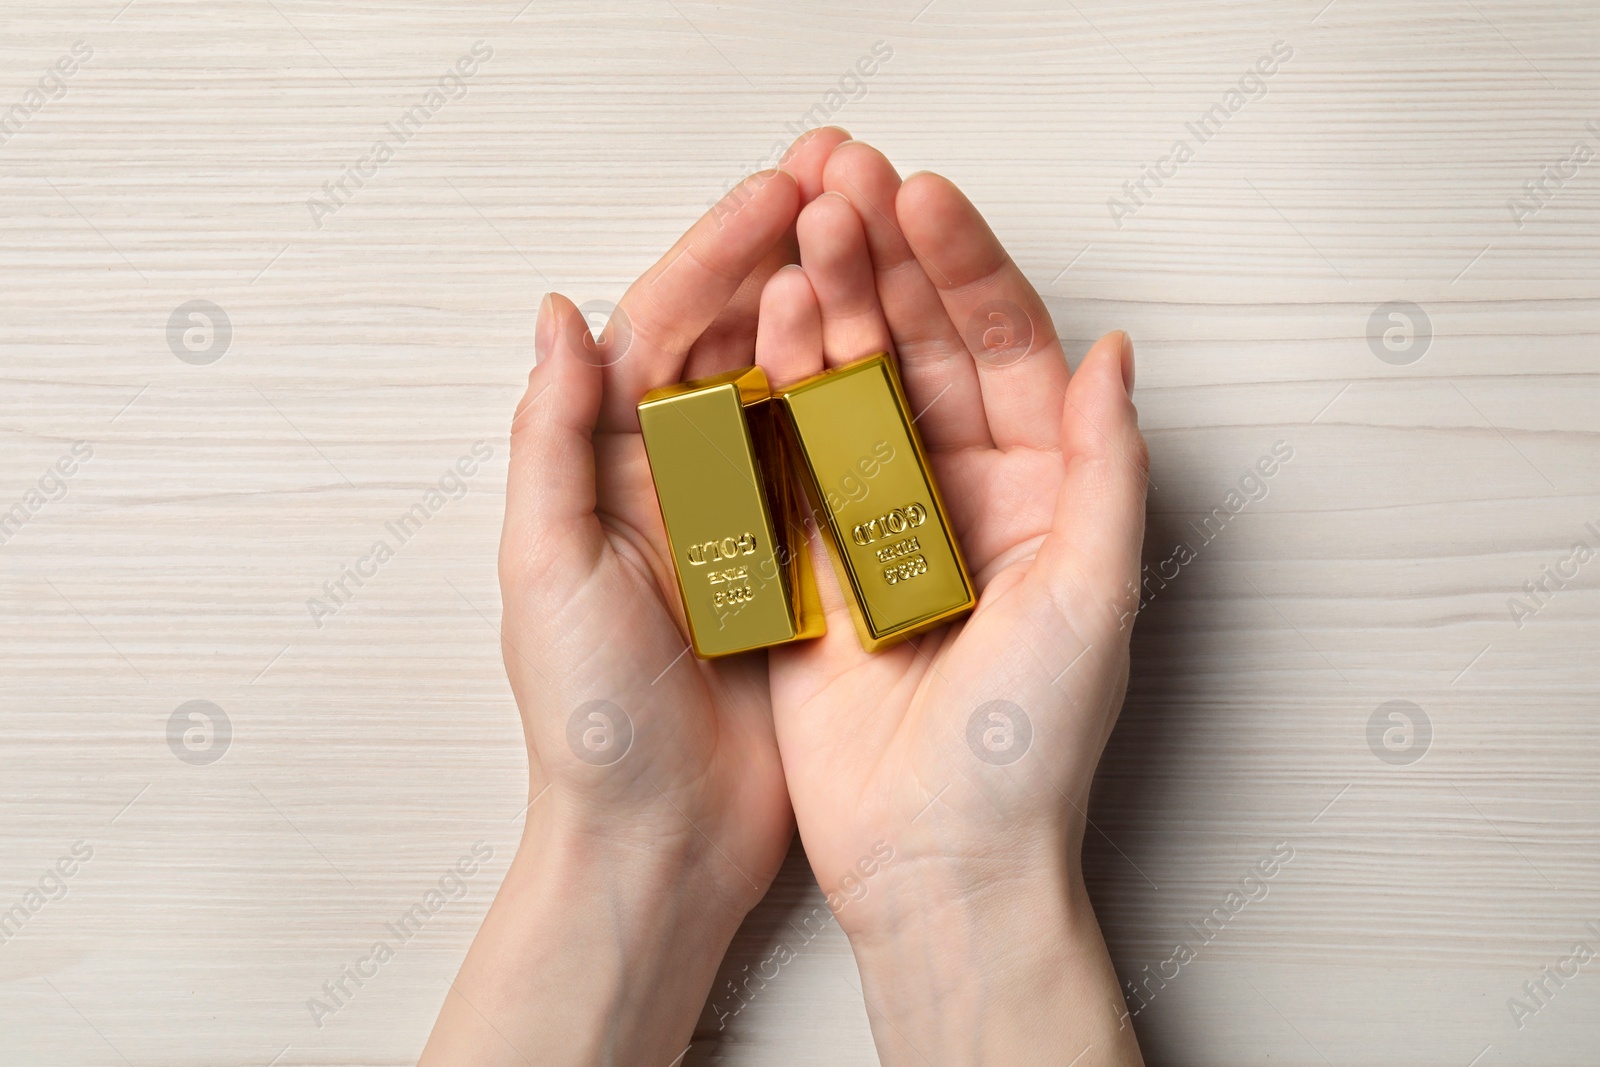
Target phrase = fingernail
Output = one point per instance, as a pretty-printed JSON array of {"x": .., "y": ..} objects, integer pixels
[
  {"x": 544, "y": 330},
  {"x": 1127, "y": 362}
]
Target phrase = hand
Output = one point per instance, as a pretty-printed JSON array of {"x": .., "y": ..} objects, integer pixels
[
  {"x": 658, "y": 814},
  {"x": 967, "y": 753}
]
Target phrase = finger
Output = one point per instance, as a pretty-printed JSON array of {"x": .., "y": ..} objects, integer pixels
[
  {"x": 833, "y": 250},
  {"x": 672, "y": 303},
  {"x": 1098, "y": 526},
  {"x": 940, "y": 378},
  {"x": 550, "y": 485},
  {"x": 730, "y": 339},
  {"x": 788, "y": 348},
  {"x": 727, "y": 342},
  {"x": 789, "y": 336},
  {"x": 811, "y": 666},
  {"x": 808, "y": 156},
  {"x": 1005, "y": 325}
]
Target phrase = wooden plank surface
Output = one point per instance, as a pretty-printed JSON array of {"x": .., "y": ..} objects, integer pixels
[{"x": 372, "y": 346}]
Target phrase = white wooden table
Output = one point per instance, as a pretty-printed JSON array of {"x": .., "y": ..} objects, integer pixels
[{"x": 232, "y": 473}]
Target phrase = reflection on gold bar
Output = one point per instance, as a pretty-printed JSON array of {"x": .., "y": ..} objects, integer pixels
[
  {"x": 892, "y": 547},
  {"x": 713, "y": 448}
]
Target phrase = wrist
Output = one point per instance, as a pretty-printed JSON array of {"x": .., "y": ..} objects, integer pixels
[
  {"x": 598, "y": 948},
  {"x": 982, "y": 965},
  {"x": 643, "y": 863}
]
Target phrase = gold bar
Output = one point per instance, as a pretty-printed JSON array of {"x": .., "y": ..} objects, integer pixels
[
  {"x": 892, "y": 547},
  {"x": 719, "y": 472}
]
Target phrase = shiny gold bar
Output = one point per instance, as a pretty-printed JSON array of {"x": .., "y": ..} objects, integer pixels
[
  {"x": 720, "y": 475},
  {"x": 885, "y": 522}
]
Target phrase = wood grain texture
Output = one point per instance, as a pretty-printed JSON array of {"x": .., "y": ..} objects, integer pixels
[{"x": 369, "y": 353}]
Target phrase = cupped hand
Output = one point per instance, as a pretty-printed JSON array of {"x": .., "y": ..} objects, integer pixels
[
  {"x": 658, "y": 813},
  {"x": 965, "y": 754},
  {"x": 629, "y": 735}
]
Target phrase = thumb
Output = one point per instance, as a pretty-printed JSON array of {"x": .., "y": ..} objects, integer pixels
[
  {"x": 1098, "y": 526},
  {"x": 550, "y": 486}
]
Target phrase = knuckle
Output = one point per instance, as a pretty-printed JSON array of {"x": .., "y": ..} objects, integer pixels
[{"x": 1139, "y": 454}]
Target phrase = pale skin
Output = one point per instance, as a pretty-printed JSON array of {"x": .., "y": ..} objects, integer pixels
[{"x": 976, "y": 943}]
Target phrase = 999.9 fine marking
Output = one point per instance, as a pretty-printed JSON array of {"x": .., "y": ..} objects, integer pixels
[
  {"x": 907, "y": 570},
  {"x": 741, "y": 594}
]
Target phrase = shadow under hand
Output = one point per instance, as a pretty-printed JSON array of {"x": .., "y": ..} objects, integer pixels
[{"x": 1137, "y": 789}]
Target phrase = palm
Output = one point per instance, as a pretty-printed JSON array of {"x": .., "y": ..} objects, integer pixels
[
  {"x": 870, "y": 739},
  {"x": 690, "y": 720}
]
